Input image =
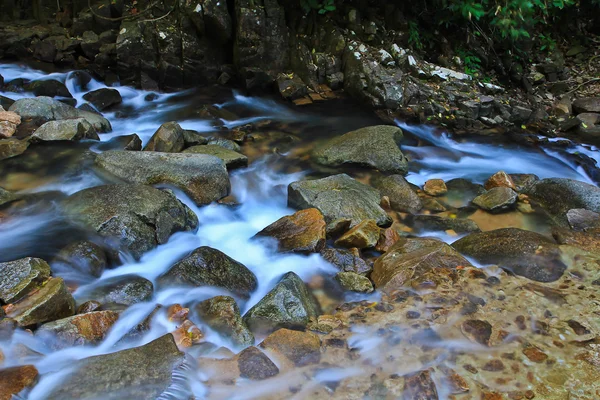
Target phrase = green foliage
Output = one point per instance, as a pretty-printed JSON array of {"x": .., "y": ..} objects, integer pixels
[
  {"x": 320, "y": 6},
  {"x": 414, "y": 37},
  {"x": 546, "y": 43}
]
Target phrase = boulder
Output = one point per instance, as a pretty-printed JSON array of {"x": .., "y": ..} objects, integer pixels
[
  {"x": 134, "y": 217},
  {"x": 222, "y": 314},
  {"x": 289, "y": 304},
  {"x": 125, "y": 290},
  {"x": 206, "y": 266},
  {"x": 83, "y": 257},
  {"x": 301, "y": 348},
  {"x": 497, "y": 199},
  {"x": 66, "y": 129},
  {"x": 169, "y": 138},
  {"x": 523, "y": 253},
  {"x": 374, "y": 146},
  {"x": 19, "y": 277},
  {"x": 44, "y": 109},
  {"x": 13, "y": 380},
  {"x": 417, "y": 263},
  {"x": 362, "y": 236},
  {"x": 193, "y": 138},
  {"x": 587, "y": 105},
  {"x": 49, "y": 88},
  {"x": 346, "y": 260},
  {"x": 51, "y": 302},
  {"x": 354, "y": 282},
  {"x": 78, "y": 330},
  {"x": 203, "y": 177},
  {"x": 339, "y": 198},
  {"x": 254, "y": 364},
  {"x": 435, "y": 187},
  {"x": 103, "y": 98},
  {"x": 579, "y": 220},
  {"x": 143, "y": 372},
  {"x": 231, "y": 158},
  {"x": 12, "y": 147},
  {"x": 401, "y": 195},
  {"x": 302, "y": 232}
]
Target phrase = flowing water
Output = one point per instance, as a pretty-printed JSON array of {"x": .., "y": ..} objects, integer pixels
[{"x": 45, "y": 174}]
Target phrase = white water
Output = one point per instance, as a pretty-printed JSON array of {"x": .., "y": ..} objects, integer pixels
[{"x": 262, "y": 194}]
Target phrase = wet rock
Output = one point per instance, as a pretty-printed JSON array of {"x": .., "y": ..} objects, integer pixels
[
  {"x": 84, "y": 257},
  {"x": 437, "y": 223},
  {"x": 582, "y": 240},
  {"x": 139, "y": 373},
  {"x": 523, "y": 182},
  {"x": 225, "y": 143},
  {"x": 534, "y": 354},
  {"x": 13, "y": 380},
  {"x": 19, "y": 277},
  {"x": 523, "y": 253},
  {"x": 362, "y": 236},
  {"x": 586, "y": 105},
  {"x": 103, "y": 98},
  {"x": 222, "y": 314},
  {"x": 402, "y": 197},
  {"x": 477, "y": 331},
  {"x": 339, "y": 197},
  {"x": 51, "y": 302},
  {"x": 301, "y": 348},
  {"x": 302, "y": 232},
  {"x": 12, "y": 147},
  {"x": 346, "y": 260},
  {"x": 169, "y": 138},
  {"x": 206, "y": 266},
  {"x": 44, "y": 109},
  {"x": 125, "y": 290},
  {"x": 496, "y": 199},
  {"x": 49, "y": 88},
  {"x": 231, "y": 158},
  {"x": 8, "y": 123},
  {"x": 375, "y": 147},
  {"x": 354, "y": 282},
  {"x": 435, "y": 187},
  {"x": 254, "y": 364},
  {"x": 582, "y": 220},
  {"x": 134, "y": 217},
  {"x": 500, "y": 179},
  {"x": 288, "y": 305},
  {"x": 78, "y": 330},
  {"x": 421, "y": 262},
  {"x": 420, "y": 385},
  {"x": 7, "y": 197},
  {"x": 193, "y": 138},
  {"x": 387, "y": 238},
  {"x": 67, "y": 129},
  {"x": 89, "y": 306},
  {"x": 203, "y": 177}
]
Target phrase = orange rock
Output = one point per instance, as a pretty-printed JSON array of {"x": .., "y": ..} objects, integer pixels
[
  {"x": 500, "y": 179},
  {"x": 534, "y": 354},
  {"x": 15, "y": 379},
  {"x": 435, "y": 187},
  {"x": 387, "y": 238},
  {"x": 362, "y": 236},
  {"x": 420, "y": 386},
  {"x": 302, "y": 232},
  {"x": 187, "y": 334},
  {"x": 177, "y": 313},
  {"x": 301, "y": 348}
]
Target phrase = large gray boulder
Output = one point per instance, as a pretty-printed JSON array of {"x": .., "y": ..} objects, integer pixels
[
  {"x": 44, "y": 109},
  {"x": 203, "y": 177},
  {"x": 374, "y": 147},
  {"x": 339, "y": 198},
  {"x": 143, "y": 372},
  {"x": 136, "y": 218},
  {"x": 66, "y": 129}
]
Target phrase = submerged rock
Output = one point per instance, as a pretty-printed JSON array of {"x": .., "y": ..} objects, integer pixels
[
  {"x": 374, "y": 147},
  {"x": 346, "y": 260},
  {"x": 19, "y": 277},
  {"x": 222, "y": 314},
  {"x": 125, "y": 290},
  {"x": 169, "y": 138},
  {"x": 206, "y": 266},
  {"x": 83, "y": 257},
  {"x": 254, "y": 364},
  {"x": 13, "y": 380},
  {"x": 435, "y": 187},
  {"x": 301, "y": 348},
  {"x": 497, "y": 199},
  {"x": 438, "y": 223},
  {"x": 289, "y": 304},
  {"x": 67, "y": 129},
  {"x": 523, "y": 253},
  {"x": 12, "y": 147},
  {"x": 354, "y": 282},
  {"x": 203, "y": 177},
  {"x": 232, "y": 159},
  {"x": 302, "y": 232},
  {"x": 139, "y": 373},
  {"x": 402, "y": 197},
  {"x": 135, "y": 217},
  {"x": 339, "y": 198}
]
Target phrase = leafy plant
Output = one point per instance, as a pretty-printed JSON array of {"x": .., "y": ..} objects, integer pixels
[
  {"x": 546, "y": 43},
  {"x": 414, "y": 37},
  {"x": 320, "y": 6}
]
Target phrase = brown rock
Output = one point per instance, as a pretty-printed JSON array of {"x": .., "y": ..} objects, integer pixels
[
  {"x": 302, "y": 232},
  {"x": 8, "y": 123},
  {"x": 346, "y": 260},
  {"x": 301, "y": 348},
  {"x": 12, "y": 147},
  {"x": 387, "y": 238},
  {"x": 477, "y": 331},
  {"x": 89, "y": 306},
  {"x": 15, "y": 379},
  {"x": 168, "y": 138},
  {"x": 187, "y": 334},
  {"x": 177, "y": 313},
  {"x": 362, "y": 236},
  {"x": 534, "y": 354},
  {"x": 254, "y": 364},
  {"x": 79, "y": 330},
  {"x": 500, "y": 179},
  {"x": 420, "y": 386},
  {"x": 435, "y": 187}
]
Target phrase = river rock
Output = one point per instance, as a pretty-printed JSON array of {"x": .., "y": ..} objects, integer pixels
[
  {"x": 78, "y": 330},
  {"x": 8, "y": 123},
  {"x": 419, "y": 262},
  {"x": 206, "y": 266},
  {"x": 169, "y": 138},
  {"x": 193, "y": 138},
  {"x": 339, "y": 198},
  {"x": 136, "y": 217},
  {"x": 12, "y": 147},
  {"x": 435, "y": 187},
  {"x": 222, "y": 314},
  {"x": 231, "y": 158},
  {"x": 430, "y": 223},
  {"x": 226, "y": 143},
  {"x": 103, "y": 98},
  {"x": 301, "y": 348},
  {"x": 346, "y": 260},
  {"x": 49, "y": 88},
  {"x": 7, "y": 197},
  {"x": 89, "y": 306},
  {"x": 362, "y": 236},
  {"x": 124, "y": 289},
  {"x": 302, "y": 232},
  {"x": 66, "y": 129},
  {"x": 523, "y": 253},
  {"x": 496, "y": 199},
  {"x": 19, "y": 277},
  {"x": 44, "y": 109},
  {"x": 139, "y": 373},
  {"x": 587, "y": 105},
  {"x": 254, "y": 364},
  {"x": 500, "y": 179},
  {"x": 559, "y": 195},
  {"x": 523, "y": 182},
  {"x": 579, "y": 219},
  {"x": 13, "y": 380},
  {"x": 583, "y": 240},
  {"x": 289, "y": 304},
  {"x": 375, "y": 147},
  {"x": 402, "y": 197},
  {"x": 354, "y": 282},
  {"x": 84, "y": 257},
  {"x": 203, "y": 177},
  {"x": 51, "y": 302}
]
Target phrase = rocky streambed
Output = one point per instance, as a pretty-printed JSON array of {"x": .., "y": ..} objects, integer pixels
[{"x": 205, "y": 244}]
